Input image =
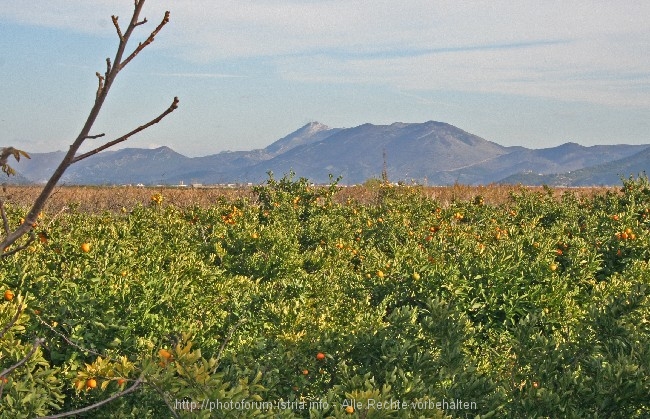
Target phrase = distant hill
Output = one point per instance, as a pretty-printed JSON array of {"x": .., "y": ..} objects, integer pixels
[
  {"x": 609, "y": 173},
  {"x": 433, "y": 153}
]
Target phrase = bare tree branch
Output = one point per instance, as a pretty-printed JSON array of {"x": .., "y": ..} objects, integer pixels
[
  {"x": 3, "y": 213},
  {"x": 108, "y": 67},
  {"x": 225, "y": 342},
  {"x": 148, "y": 41},
  {"x": 164, "y": 397},
  {"x": 101, "y": 84},
  {"x": 105, "y": 83},
  {"x": 117, "y": 27},
  {"x": 131, "y": 389},
  {"x": 71, "y": 343},
  {"x": 37, "y": 343},
  {"x": 125, "y": 137},
  {"x": 32, "y": 237},
  {"x": 91, "y": 137},
  {"x": 142, "y": 22},
  {"x": 13, "y": 321}
]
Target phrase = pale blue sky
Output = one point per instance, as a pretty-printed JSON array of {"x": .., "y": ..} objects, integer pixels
[{"x": 527, "y": 73}]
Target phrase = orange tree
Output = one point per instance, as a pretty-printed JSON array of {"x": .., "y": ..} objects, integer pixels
[{"x": 534, "y": 308}]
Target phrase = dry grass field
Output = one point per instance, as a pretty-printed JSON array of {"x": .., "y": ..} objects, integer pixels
[{"x": 94, "y": 199}]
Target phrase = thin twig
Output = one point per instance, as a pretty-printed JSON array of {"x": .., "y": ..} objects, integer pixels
[
  {"x": 56, "y": 215},
  {"x": 37, "y": 343},
  {"x": 226, "y": 340},
  {"x": 131, "y": 389},
  {"x": 71, "y": 343},
  {"x": 13, "y": 320},
  {"x": 92, "y": 137},
  {"x": 67, "y": 160},
  {"x": 125, "y": 137},
  {"x": 164, "y": 397},
  {"x": 148, "y": 41},
  {"x": 32, "y": 237},
  {"x": 100, "y": 88},
  {"x": 5, "y": 221},
  {"x": 117, "y": 28}
]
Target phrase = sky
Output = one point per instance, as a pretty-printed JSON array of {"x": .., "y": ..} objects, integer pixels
[{"x": 248, "y": 72}]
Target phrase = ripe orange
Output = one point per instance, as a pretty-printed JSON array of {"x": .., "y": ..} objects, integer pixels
[
  {"x": 91, "y": 383},
  {"x": 380, "y": 274},
  {"x": 9, "y": 295},
  {"x": 349, "y": 409},
  {"x": 320, "y": 356},
  {"x": 553, "y": 266},
  {"x": 305, "y": 372},
  {"x": 121, "y": 381},
  {"x": 164, "y": 353},
  {"x": 85, "y": 247}
]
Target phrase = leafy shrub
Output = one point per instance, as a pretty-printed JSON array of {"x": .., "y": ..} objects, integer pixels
[{"x": 534, "y": 308}]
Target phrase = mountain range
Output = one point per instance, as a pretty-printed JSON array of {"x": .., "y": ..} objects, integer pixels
[{"x": 431, "y": 153}]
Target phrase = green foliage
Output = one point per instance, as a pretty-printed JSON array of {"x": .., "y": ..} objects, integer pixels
[
  {"x": 34, "y": 388},
  {"x": 537, "y": 308}
]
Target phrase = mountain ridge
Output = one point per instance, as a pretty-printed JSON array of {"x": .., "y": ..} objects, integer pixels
[{"x": 431, "y": 152}]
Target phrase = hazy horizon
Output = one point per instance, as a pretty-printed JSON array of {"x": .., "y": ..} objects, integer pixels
[{"x": 248, "y": 73}]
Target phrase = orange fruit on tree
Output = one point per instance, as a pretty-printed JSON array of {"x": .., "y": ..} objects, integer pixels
[
  {"x": 349, "y": 409},
  {"x": 320, "y": 356},
  {"x": 121, "y": 381},
  {"x": 164, "y": 353},
  {"x": 85, "y": 247},
  {"x": 305, "y": 372},
  {"x": 9, "y": 295},
  {"x": 91, "y": 383}
]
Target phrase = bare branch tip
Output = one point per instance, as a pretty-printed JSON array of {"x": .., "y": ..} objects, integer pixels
[
  {"x": 117, "y": 27},
  {"x": 100, "y": 88}
]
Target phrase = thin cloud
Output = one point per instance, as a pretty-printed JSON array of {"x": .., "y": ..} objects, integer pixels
[
  {"x": 199, "y": 75},
  {"x": 571, "y": 50}
]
